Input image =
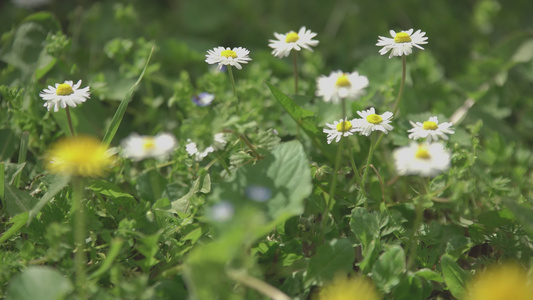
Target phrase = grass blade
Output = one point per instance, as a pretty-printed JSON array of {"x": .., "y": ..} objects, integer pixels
[{"x": 119, "y": 114}]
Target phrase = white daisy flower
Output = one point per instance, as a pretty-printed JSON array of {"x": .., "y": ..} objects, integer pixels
[
  {"x": 371, "y": 122},
  {"x": 285, "y": 43},
  {"x": 339, "y": 85},
  {"x": 64, "y": 94},
  {"x": 431, "y": 130},
  {"x": 338, "y": 129},
  {"x": 203, "y": 99},
  {"x": 139, "y": 147},
  {"x": 427, "y": 160},
  {"x": 227, "y": 56},
  {"x": 402, "y": 42},
  {"x": 219, "y": 142}
]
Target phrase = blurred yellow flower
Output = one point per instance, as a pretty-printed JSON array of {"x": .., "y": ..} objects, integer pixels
[
  {"x": 501, "y": 283},
  {"x": 344, "y": 288},
  {"x": 82, "y": 156}
]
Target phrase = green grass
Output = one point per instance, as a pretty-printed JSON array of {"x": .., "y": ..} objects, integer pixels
[{"x": 151, "y": 226}]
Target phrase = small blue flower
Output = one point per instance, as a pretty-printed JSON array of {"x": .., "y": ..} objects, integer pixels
[
  {"x": 222, "y": 211},
  {"x": 258, "y": 193},
  {"x": 203, "y": 99}
]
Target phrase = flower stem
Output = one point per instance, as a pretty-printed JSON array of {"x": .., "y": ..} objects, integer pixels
[
  {"x": 419, "y": 210},
  {"x": 397, "y": 103},
  {"x": 329, "y": 204},
  {"x": 295, "y": 65},
  {"x": 354, "y": 167},
  {"x": 230, "y": 72},
  {"x": 243, "y": 138},
  {"x": 258, "y": 285},
  {"x": 367, "y": 166},
  {"x": 69, "y": 121},
  {"x": 79, "y": 237}
]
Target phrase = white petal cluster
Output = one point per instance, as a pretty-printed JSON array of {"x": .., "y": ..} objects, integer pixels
[
  {"x": 228, "y": 57},
  {"x": 138, "y": 147},
  {"x": 285, "y": 43},
  {"x": 339, "y": 85},
  {"x": 401, "y": 42},
  {"x": 64, "y": 94},
  {"x": 427, "y": 160}
]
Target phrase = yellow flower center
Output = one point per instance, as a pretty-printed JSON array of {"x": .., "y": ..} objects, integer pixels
[
  {"x": 430, "y": 125},
  {"x": 148, "y": 144},
  {"x": 402, "y": 37},
  {"x": 344, "y": 126},
  {"x": 343, "y": 81},
  {"x": 291, "y": 37},
  {"x": 422, "y": 152},
  {"x": 374, "y": 119},
  {"x": 64, "y": 90},
  {"x": 228, "y": 54},
  {"x": 80, "y": 156}
]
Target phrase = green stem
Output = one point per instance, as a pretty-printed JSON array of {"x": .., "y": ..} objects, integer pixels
[
  {"x": 295, "y": 65},
  {"x": 419, "y": 208},
  {"x": 243, "y": 138},
  {"x": 397, "y": 103},
  {"x": 367, "y": 166},
  {"x": 354, "y": 167},
  {"x": 70, "y": 122},
  {"x": 80, "y": 258},
  {"x": 329, "y": 205},
  {"x": 230, "y": 72},
  {"x": 262, "y": 287}
]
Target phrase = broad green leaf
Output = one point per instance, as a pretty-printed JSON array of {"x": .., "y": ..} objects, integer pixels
[
  {"x": 17, "y": 201},
  {"x": 26, "y": 48},
  {"x": 18, "y": 221},
  {"x": 121, "y": 110},
  {"x": 280, "y": 182},
  {"x": 330, "y": 259},
  {"x": 58, "y": 183},
  {"x": 429, "y": 275},
  {"x": 389, "y": 268},
  {"x": 151, "y": 185},
  {"x": 41, "y": 283},
  {"x": 412, "y": 287},
  {"x": 454, "y": 276},
  {"x": 108, "y": 189}
]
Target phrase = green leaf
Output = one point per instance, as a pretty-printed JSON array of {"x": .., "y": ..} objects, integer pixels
[
  {"x": 389, "y": 268},
  {"x": 18, "y": 221},
  {"x": 429, "y": 275},
  {"x": 17, "y": 201},
  {"x": 108, "y": 189},
  {"x": 330, "y": 259},
  {"x": 7, "y": 144},
  {"x": 112, "y": 254},
  {"x": 58, "y": 183},
  {"x": 26, "y": 49},
  {"x": 202, "y": 184},
  {"x": 301, "y": 116},
  {"x": 41, "y": 283},
  {"x": 121, "y": 110},
  {"x": 280, "y": 182},
  {"x": 151, "y": 185},
  {"x": 412, "y": 287},
  {"x": 454, "y": 276},
  {"x": 148, "y": 246},
  {"x": 523, "y": 215}
]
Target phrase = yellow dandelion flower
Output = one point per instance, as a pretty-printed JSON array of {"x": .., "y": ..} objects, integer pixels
[
  {"x": 344, "y": 288},
  {"x": 82, "y": 156},
  {"x": 501, "y": 283}
]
